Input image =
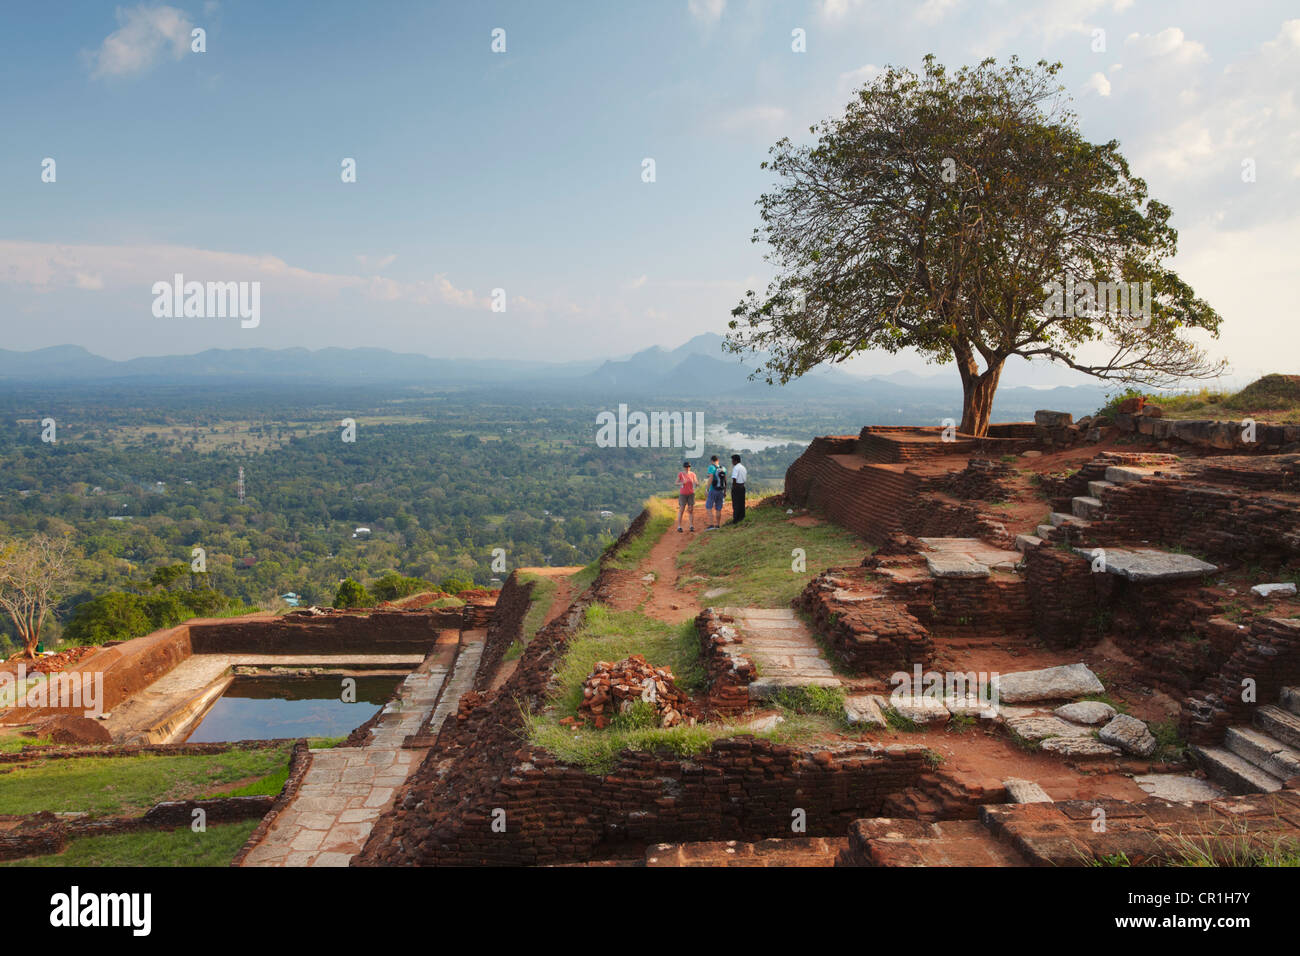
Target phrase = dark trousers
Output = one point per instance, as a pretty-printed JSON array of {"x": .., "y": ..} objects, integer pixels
[{"x": 737, "y": 502}]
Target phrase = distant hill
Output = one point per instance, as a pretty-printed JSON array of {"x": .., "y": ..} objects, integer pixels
[{"x": 697, "y": 370}]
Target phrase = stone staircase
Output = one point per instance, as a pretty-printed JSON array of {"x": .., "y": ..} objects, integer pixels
[
  {"x": 1084, "y": 509},
  {"x": 1259, "y": 758}
]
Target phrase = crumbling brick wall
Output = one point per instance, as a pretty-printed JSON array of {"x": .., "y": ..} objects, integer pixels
[
  {"x": 876, "y": 636},
  {"x": 1268, "y": 656},
  {"x": 505, "y": 627},
  {"x": 1062, "y": 596},
  {"x": 729, "y": 674}
]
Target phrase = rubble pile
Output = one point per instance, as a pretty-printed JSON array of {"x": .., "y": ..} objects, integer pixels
[{"x": 613, "y": 688}]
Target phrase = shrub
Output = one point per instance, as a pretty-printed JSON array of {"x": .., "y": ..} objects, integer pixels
[{"x": 353, "y": 594}]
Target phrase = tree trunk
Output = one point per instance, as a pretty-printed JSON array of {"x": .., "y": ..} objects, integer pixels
[{"x": 977, "y": 399}]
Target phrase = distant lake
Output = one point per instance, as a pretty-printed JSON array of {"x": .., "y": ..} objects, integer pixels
[{"x": 739, "y": 441}]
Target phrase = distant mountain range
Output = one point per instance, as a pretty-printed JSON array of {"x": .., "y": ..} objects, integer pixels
[{"x": 698, "y": 369}]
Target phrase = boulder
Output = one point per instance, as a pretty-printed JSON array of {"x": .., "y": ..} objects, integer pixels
[
  {"x": 1050, "y": 419},
  {"x": 920, "y": 710},
  {"x": 1090, "y": 712},
  {"x": 1051, "y": 683},
  {"x": 1079, "y": 747},
  {"x": 863, "y": 709},
  {"x": 1152, "y": 411},
  {"x": 1286, "y": 589},
  {"x": 1040, "y": 727},
  {"x": 1129, "y": 734}
]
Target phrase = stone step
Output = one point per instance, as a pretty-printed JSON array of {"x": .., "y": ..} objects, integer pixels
[
  {"x": 1263, "y": 751},
  {"x": 1025, "y": 791},
  {"x": 1044, "y": 530},
  {"x": 1235, "y": 774},
  {"x": 1123, "y": 474},
  {"x": 1027, "y": 542},
  {"x": 1095, "y": 488},
  {"x": 1085, "y": 507},
  {"x": 1289, "y": 699},
  {"x": 1280, "y": 724},
  {"x": 1059, "y": 518}
]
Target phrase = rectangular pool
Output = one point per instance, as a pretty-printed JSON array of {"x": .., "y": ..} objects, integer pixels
[{"x": 256, "y": 708}]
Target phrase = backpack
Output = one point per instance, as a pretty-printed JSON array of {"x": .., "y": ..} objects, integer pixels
[{"x": 719, "y": 482}]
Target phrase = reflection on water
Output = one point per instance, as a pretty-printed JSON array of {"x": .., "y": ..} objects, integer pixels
[
  {"x": 256, "y": 708},
  {"x": 739, "y": 441}
]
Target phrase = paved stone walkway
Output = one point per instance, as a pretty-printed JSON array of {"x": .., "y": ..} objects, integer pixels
[
  {"x": 347, "y": 788},
  {"x": 784, "y": 649}
]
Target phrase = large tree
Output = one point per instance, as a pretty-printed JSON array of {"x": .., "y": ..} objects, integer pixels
[
  {"x": 33, "y": 574},
  {"x": 938, "y": 213}
]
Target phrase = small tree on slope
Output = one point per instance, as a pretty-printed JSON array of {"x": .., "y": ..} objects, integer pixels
[
  {"x": 33, "y": 573},
  {"x": 937, "y": 213}
]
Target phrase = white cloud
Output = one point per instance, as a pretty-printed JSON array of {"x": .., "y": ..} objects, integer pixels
[
  {"x": 378, "y": 262},
  {"x": 1098, "y": 84},
  {"x": 49, "y": 266},
  {"x": 638, "y": 282},
  {"x": 856, "y": 79},
  {"x": 1170, "y": 44},
  {"x": 933, "y": 12},
  {"x": 706, "y": 11},
  {"x": 145, "y": 34}
]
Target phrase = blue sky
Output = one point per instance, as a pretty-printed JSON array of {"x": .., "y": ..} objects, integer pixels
[{"x": 522, "y": 170}]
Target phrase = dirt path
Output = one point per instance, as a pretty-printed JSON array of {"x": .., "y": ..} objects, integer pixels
[{"x": 662, "y": 599}]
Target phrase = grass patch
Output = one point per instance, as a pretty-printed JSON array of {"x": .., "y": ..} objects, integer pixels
[
  {"x": 131, "y": 785},
  {"x": 608, "y": 635},
  {"x": 539, "y": 603},
  {"x": 755, "y": 559},
  {"x": 823, "y": 701},
  {"x": 1274, "y": 398},
  {"x": 663, "y": 512},
  {"x": 1170, "y": 747},
  {"x": 181, "y": 847},
  {"x": 896, "y": 721},
  {"x": 324, "y": 743},
  {"x": 12, "y": 743}
]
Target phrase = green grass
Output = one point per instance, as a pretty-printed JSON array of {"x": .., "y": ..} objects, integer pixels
[
  {"x": 324, "y": 743},
  {"x": 608, "y": 635},
  {"x": 822, "y": 701},
  {"x": 1274, "y": 398},
  {"x": 754, "y": 560},
  {"x": 181, "y": 847},
  {"x": 663, "y": 512},
  {"x": 14, "y": 743},
  {"x": 130, "y": 785},
  {"x": 543, "y": 592}
]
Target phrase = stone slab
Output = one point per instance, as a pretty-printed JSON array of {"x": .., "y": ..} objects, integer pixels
[
  {"x": 1050, "y": 683},
  {"x": 1148, "y": 564}
]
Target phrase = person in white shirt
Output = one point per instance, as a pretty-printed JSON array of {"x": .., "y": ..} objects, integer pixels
[{"x": 738, "y": 476}]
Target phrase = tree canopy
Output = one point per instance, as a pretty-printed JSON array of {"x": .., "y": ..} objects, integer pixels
[{"x": 940, "y": 213}]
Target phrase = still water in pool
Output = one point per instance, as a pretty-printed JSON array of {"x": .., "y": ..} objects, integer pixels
[{"x": 256, "y": 708}]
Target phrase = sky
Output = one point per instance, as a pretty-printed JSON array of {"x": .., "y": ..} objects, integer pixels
[{"x": 522, "y": 168}]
